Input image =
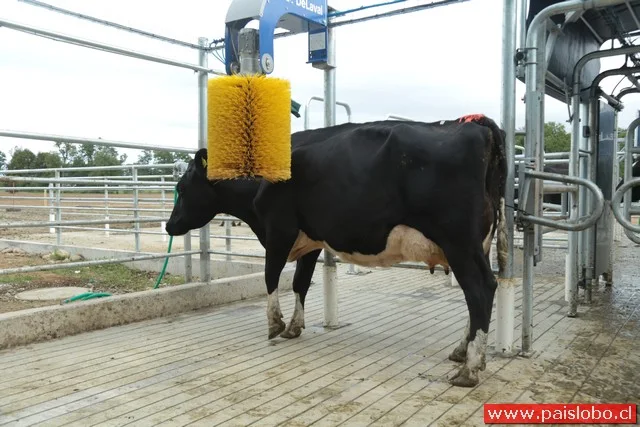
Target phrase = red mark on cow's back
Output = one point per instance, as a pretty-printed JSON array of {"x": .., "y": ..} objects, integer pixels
[{"x": 471, "y": 118}]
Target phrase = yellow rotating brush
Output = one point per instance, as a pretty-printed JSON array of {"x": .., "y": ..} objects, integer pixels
[{"x": 249, "y": 125}]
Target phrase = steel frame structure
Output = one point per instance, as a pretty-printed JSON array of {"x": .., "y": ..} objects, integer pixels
[{"x": 536, "y": 47}]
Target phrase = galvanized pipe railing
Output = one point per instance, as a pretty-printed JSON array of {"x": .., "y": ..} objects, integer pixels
[
  {"x": 624, "y": 217},
  {"x": 535, "y": 72},
  {"x": 104, "y": 47},
  {"x": 346, "y": 106},
  {"x": 580, "y": 223}
]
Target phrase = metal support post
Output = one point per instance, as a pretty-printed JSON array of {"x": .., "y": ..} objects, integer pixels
[
  {"x": 106, "y": 209},
  {"x": 505, "y": 293},
  {"x": 52, "y": 211},
  {"x": 591, "y": 162},
  {"x": 529, "y": 190},
  {"x": 205, "y": 258},
  {"x": 163, "y": 196},
  {"x": 329, "y": 269},
  {"x": 136, "y": 208},
  {"x": 188, "y": 260},
  {"x": 58, "y": 208},
  {"x": 227, "y": 241},
  {"x": 571, "y": 262}
]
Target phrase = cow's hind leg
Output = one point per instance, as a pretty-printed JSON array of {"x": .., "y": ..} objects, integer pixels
[
  {"x": 478, "y": 284},
  {"x": 459, "y": 354},
  {"x": 301, "y": 282},
  {"x": 277, "y": 252}
]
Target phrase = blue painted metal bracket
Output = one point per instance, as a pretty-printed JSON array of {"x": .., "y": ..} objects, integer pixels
[{"x": 297, "y": 16}]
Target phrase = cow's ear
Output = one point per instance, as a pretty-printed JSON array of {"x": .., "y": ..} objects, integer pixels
[{"x": 201, "y": 160}]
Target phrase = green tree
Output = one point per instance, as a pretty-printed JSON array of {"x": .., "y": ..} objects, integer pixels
[
  {"x": 145, "y": 158},
  {"x": 169, "y": 157},
  {"x": 88, "y": 152},
  {"x": 22, "y": 158},
  {"x": 68, "y": 152},
  {"x": 48, "y": 160},
  {"x": 106, "y": 156},
  {"x": 3, "y": 160},
  {"x": 556, "y": 138},
  {"x": 156, "y": 157}
]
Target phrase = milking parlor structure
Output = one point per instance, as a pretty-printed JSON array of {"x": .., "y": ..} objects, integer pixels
[{"x": 375, "y": 346}]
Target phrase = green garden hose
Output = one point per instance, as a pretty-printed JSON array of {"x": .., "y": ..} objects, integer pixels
[
  {"x": 90, "y": 295},
  {"x": 87, "y": 295},
  {"x": 166, "y": 260}
]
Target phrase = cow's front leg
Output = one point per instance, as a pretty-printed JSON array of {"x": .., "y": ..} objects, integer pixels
[
  {"x": 277, "y": 251},
  {"x": 301, "y": 282},
  {"x": 274, "y": 315}
]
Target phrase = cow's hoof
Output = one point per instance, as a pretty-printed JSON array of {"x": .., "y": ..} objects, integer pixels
[
  {"x": 292, "y": 331},
  {"x": 274, "y": 330},
  {"x": 464, "y": 378},
  {"x": 458, "y": 355}
]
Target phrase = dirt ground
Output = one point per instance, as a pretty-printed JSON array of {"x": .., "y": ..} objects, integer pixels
[{"x": 114, "y": 279}]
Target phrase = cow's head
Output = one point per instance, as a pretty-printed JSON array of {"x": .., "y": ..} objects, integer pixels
[{"x": 196, "y": 203}]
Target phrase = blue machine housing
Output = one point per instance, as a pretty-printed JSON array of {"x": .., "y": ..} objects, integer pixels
[{"x": 296, "y": 16}]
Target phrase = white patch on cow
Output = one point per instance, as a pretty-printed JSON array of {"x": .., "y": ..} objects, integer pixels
[
  {"x": 403, "y": 244},
  {"x": 298, "y": 314},
  {"x": 273, "y": 308},
  {"x": 476, "y": 350},
  {"x": 459, "y": 352}
]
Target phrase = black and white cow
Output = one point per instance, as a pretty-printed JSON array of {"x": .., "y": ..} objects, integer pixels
[
  {"x": 374, "y": 194},
  {"x": 635, "y": 173}
]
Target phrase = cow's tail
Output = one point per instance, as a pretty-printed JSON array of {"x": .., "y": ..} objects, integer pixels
[{"x": 495, "y": 185}]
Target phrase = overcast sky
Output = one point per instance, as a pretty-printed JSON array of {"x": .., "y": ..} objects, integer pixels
[{"x": 430, "y": 65}]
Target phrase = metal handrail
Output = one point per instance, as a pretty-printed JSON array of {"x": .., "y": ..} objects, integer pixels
[
  {"x": 629, "y": 227},
  {"x": 398, "y": 117},
  {"x": 104, "y": 47},
  {"x": 581, "y": 223},
  {"x": 346, "y": 106},
  {"x": 93, "y": 141}
]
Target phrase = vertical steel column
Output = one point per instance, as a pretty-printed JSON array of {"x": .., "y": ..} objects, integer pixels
[
  {"x": 58, "y": 208},
  {"x": 589, "y": 267},
  {"x": 136, "y": 207},
  {"x": 227, "y": 241},
  {"x": 329, "y": 269},
  {"x": 163, "y": 197},
  {"x": 571, "y": 263},
  {"x": 52, "y": 211},
  {"x": 106, "y": 209},
  {"x": 529, "y": 188},
  {"x": 188, "y": 260},
  {"x": 505, "y": 294},
  {"x": 522, "y": 21},
  {"x": 583, "y": 161},
  {"x": 203, "y": 77}
]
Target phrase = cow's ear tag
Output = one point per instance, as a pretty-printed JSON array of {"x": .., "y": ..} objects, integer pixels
[{"x": 204, "y": 162}]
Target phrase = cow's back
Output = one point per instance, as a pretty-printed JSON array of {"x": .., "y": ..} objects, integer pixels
[{"x": 351, "y": 184}]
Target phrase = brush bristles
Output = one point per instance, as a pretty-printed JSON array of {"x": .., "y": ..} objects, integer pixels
[{"x": 249, "y": 128}]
